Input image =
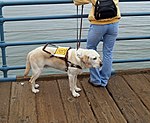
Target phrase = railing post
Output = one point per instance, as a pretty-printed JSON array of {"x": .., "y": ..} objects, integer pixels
[{"x": 3, "y": 47}]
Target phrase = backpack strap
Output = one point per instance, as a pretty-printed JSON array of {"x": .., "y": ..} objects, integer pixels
[{"x": 92, "y": 3}]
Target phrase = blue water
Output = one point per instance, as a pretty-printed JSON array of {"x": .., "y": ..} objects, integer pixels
[{"x": 66, "y": 29}]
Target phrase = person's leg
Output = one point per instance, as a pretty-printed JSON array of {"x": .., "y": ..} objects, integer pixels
[
  {"x": 108, "y": 44},
  {"x": 95, "y": 34}
]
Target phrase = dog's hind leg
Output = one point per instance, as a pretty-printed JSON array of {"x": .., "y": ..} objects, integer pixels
[
  {"x": 35, "y": 74},
  {"x": 33, "y": 84}
]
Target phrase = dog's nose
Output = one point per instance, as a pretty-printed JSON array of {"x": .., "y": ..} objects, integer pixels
[{"x": 101, "y": 64}]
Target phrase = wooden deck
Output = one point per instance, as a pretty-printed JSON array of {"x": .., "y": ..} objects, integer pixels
[{"x": 125, "y": 100}]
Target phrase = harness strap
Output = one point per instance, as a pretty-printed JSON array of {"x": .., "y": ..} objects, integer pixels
[
  {"x": 70, "y": 64},
  {"x": 44, "y": 48},
  {"x": 66, "y": 59},
  {"x": 74, "y": 65}
]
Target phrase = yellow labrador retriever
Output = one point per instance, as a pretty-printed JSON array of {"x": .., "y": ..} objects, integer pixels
[{"x": 74, "y": 62}]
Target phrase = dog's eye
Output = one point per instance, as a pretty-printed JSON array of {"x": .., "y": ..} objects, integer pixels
[{"x": 95, "y": 58}]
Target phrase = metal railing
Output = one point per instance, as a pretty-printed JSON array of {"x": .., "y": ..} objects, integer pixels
[{"x": 3, "y": 45}]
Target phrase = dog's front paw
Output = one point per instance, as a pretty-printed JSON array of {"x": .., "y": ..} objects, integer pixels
[
  {"x": 36, "y": 85},
  {"x": 78, "y": 89},
  {"x": 75, "y": 94},
  {"x": 35, "y": 90}
]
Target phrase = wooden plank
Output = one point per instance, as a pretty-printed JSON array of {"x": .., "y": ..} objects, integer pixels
[
  {"x": 5, "y": 88},
  {"x": 141, "y": 87},
  {"x": 49, "y": 104},
  {"x": 77, "y": 109},
  {"x": 128, "y": 102},
  {"x": 22, "y": 104},
  {"x": 102, "y": 104},
  {"x": 147, "y": 76}
]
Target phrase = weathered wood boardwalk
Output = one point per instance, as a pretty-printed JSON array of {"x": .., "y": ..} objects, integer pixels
[{"x": 125, "y": 100}]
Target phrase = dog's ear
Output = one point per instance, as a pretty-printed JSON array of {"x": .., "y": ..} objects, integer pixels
[{"x": 85, "y": 60}]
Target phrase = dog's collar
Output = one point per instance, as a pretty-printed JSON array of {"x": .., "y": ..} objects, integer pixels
[{"x": 70, "y": 64}]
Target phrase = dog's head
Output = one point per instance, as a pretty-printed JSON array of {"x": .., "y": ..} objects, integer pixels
[{"x": 89, "y": 57}]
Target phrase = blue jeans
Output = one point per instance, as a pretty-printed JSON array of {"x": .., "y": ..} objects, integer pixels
[{"x": 107, "y": 34}]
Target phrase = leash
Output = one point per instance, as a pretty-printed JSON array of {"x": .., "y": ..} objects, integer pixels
[{"x": 81, "y": 21}]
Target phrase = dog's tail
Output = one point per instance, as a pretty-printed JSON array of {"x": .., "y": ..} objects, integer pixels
[{"x": 28, "y": 66}]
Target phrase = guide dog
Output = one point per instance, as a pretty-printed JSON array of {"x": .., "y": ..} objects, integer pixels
[{"x": 73, "y": 63}]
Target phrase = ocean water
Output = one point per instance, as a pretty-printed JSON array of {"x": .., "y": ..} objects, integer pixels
[{"x": 66, "y": 29}]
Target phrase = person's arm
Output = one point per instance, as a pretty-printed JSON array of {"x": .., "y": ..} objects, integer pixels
[{"x": 81, "y": 2}]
